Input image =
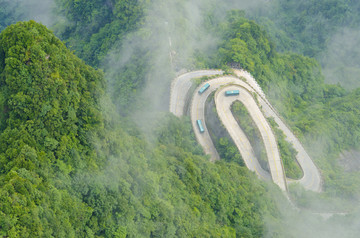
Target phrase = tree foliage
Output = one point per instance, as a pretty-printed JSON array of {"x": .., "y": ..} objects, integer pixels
[
  {"x": 251, "y": 131},
  {"x": 50, "y": 105},
  {"x": 322, "y": 116},
  {"x": 306, "y": 26},
  {"x": 68, "y": 168},
  {"x": 94, "y": 27},
  {"x": 287, "y": 152}
]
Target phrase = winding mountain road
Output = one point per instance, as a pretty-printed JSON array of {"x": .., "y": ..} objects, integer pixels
[
  {"x": 180, "y": 87},
  {"x": 248, "y": 87}
]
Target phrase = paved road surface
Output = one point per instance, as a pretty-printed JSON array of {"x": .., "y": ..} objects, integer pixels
[
  {"x": 179, "y": 90},
  {"x": 223, "y": 104},
  {"x": 180, "y": 87},
  {"x": 311, "y": 179}
]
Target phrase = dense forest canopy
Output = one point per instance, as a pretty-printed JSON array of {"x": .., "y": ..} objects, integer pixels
[
  {"x": 50, "y": 105},
  {"x": 327, "y": 30},
  {"x": 72, "y": 171},
  {"x": 73, "y": 161}
]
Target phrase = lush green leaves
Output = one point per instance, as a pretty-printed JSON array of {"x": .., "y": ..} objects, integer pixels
[
  {"x": 287, "y": 153},
  {"x": 95, "y": 27},
  {"x": 69, "y": 169},
  {"x": 323, "y": 116},
  {"x": 50, "y": 103}
]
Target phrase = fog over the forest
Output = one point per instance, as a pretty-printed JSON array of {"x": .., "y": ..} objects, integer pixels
[
  {"x": 173, "y": 31},
  {"x": 341, "y": 60},
  {"x": 304, "y": 223},
  {"x": 42, "y": 11}
]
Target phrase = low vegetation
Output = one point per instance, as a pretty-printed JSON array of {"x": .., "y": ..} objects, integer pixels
[
  {"x": 251, "y": 131},
  {"x": 287, "y": 152}
]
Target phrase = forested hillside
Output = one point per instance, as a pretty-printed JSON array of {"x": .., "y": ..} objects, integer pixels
[
  {"x": 49, "y": 107},
  {"x": 68, "y": 169},
  {"x": 305, "y": 26},
  {"x": 325, "y": 117},
  {"x": 327, "y": 30},
  {"x": 74, "y": 161},
  {"x": 95, "y": 27}
]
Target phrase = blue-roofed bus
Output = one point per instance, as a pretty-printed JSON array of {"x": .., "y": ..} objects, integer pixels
[
  {"x": 203, "y": 88},
  {"x": 201, "y": 128},
  {"x": 232, "y": 93}
]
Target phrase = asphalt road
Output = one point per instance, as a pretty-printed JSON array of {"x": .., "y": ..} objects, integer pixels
[
  {"x": 179, "y": 91},
  {"x": 311, "y": 179},
  {"x": 223, "y": 105},
  {"x": 180, "y": 87}
]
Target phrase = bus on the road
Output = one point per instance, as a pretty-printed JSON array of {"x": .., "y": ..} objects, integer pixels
[
  {"x": 201, "y": 128},
  {"x": 203, "y": 88},
  {"x": 232, "y": 93}
]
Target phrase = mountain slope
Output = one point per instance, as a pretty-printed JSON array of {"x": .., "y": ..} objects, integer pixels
[
  {"x": 49, "y": 106},
  {"x": 69, "y": 169}
]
